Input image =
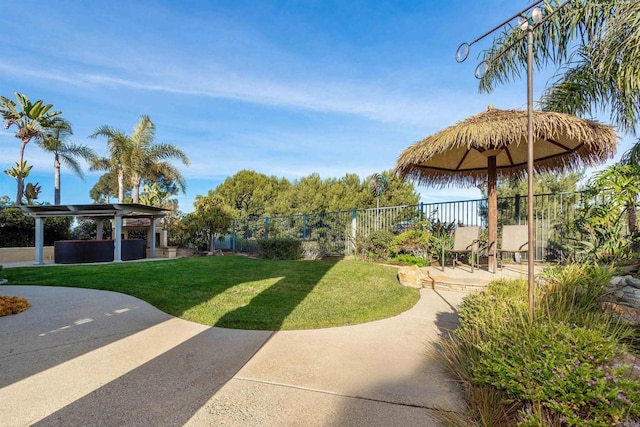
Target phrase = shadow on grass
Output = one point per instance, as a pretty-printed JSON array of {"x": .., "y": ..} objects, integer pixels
[
  {"x": 193, "y": 288},
  {"x": 270, "y": 308}
]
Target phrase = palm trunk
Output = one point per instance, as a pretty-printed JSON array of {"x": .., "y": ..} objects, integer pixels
[
  {"x": 20, "y": 177},
  {"x": 135, "y": 180},
  {"x": 120, "y": 185},
  {"x": 56, "y": 167}
]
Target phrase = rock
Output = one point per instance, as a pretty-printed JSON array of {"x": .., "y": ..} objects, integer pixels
[
  {"x": 627, "y": 269},
  {"x": 411, "y": 276},
  {"x": 632, "y": 281},
  {"x": 615, "y": 281},
  {"x": 629, "y": 314},
  {"x": 630, "y": 361}
]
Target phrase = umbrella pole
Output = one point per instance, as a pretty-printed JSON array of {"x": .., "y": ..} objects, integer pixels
[{"x": 492, "y": 195}]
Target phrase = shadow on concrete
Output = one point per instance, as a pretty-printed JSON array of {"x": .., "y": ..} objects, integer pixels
[
  {"x": 446, "y": 321},
  {"x": 169, "y": 389},
  {"x": 422, "y": 396},
  {"x": 64, "y": 323}
]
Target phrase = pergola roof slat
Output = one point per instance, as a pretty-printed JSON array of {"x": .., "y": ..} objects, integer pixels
[{"x": 126, "y": 210}]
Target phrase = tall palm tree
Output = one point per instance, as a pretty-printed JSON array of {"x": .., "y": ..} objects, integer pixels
[
  {"x": 146, "y": 157},
  {"x": 56, "y": 141},
  {"x": 137, "y": 156},
  {"x": 31, "y": 119},
  {"x": 118, "y": 145}
]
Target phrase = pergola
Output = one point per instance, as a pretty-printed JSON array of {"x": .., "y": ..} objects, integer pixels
[{"x": 96, "y": 211}]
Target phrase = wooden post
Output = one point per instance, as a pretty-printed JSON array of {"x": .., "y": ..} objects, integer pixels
[{"x": 493, "y": 214}]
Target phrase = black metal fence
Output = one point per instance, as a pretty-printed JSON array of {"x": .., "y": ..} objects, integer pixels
[{"x": 337, "y": 232}]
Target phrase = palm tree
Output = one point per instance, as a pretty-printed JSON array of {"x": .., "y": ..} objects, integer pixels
[
  {"x": 136, "y": 156},
  {"x": 379, "y": 184},
  {"x": 32, "y": 119},
  {"x": 596, "y": 46},
  {"x": 147, "y": 158},
  {"x": 118, "y": 145},
  {"x": 56, "y": 142}
]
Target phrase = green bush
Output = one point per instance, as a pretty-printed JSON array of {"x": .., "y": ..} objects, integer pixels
[
  {"x": 562, "y": 367},
  {"x": 555, "y": 370},
  {"x": 247, "y": 246},
  {"x": 312, "y": 250},
  {"x": 280, "y": 248},
  {"x": 412, "y": 242},
  {"x": 407, "y": 259},
  {"x": 377, "y": 245},
  {"x": 16, "y": 228}
]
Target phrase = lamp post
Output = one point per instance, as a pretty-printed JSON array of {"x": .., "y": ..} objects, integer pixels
[{"x": 529, "y": 24}]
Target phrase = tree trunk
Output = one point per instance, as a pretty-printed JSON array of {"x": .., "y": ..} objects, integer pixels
[
  {"x": 56, "y": 167},
  {"x": 135, "y": 180},
  {"x": 20, "y": 177},
  {"x": 120, "y": 185}
]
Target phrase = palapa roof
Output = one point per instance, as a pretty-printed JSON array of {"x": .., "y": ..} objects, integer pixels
[{"x": 459, "y": 154}]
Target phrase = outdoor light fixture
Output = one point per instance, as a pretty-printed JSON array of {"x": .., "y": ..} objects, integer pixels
[{"x": 527, "y": 22}]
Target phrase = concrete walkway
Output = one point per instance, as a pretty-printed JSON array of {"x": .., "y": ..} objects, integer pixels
[{"x": 87, "y": 357}]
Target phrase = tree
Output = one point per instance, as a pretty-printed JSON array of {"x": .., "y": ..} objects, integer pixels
[
  {"x": 56, "y": 141},
  {"x": 105, "y": 189},
  {"x": 138, "y": 156},
  {"x": 32, "y": 192},
  {"x": 212, "y": 216},
  {"x": 543, "y": 183},
  {"x": 117, "y": 144},
  {"x": 379, "y": 185},
  {"x": 595, "y": 45},
  {"x": 31, "y": 119},
  {"x": 249, "y": 193},
  {"x": 154, "y": 194}
]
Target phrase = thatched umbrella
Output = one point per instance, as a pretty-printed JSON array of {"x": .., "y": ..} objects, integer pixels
[{"x": 493, "y": 144}]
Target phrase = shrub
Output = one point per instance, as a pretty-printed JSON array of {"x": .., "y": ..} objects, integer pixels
[
  {"x": 562, "y": 367},
  {"x": 406, "y": 259},
  {"x": 411, "y": 242},
  {"x": 376, "y": 245},
  {"x": 280, "y": 248},
  {"x": 12, "y": 305},
  {"x": 555, "y": 370},
  {"x": 247, "y": 246},
  {"x": 16, "y": 228},
  {"x": 312, "y": 250}
]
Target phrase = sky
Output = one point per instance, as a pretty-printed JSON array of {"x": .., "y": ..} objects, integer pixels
[{"x": 285, "y": 88}]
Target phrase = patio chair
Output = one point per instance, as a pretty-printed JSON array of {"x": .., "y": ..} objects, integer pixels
[
  {"x": 515, "y": 239},
  {"x": 465, "y": 241}
]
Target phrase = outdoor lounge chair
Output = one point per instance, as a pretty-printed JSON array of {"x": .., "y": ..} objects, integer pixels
[
  {"x": 465, "y": 241},
  {"x": 515, "y": 239}
]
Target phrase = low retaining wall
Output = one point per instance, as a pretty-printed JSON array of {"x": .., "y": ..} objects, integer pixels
[{"x": 24, "y": 254}]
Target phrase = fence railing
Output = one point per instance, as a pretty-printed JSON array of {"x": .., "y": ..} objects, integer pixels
[{"x": 338, "y": 232}]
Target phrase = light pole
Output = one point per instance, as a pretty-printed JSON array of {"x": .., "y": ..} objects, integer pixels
[{"x": 529, "y": 24}]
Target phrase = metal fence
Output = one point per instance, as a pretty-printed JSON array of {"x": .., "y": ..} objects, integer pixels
[{"x": 337, "y": 232}]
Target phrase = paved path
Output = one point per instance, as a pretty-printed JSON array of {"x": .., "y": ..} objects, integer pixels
[{"x": 87, "y": 357}]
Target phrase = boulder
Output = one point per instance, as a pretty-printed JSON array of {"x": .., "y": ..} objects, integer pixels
[
  {"x": 615, "y": 281},
  {"x": 632, "y": 281},
  {"x": 411, "y": 276}
]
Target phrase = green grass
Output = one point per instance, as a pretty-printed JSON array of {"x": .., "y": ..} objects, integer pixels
[{"x": 244, "y": 293}]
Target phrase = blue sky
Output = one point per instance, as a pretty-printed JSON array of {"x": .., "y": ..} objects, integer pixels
[{"x": 285, "y": 88}]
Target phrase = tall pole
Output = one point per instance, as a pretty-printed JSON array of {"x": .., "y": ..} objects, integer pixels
[{"x": 530, "y": 217}]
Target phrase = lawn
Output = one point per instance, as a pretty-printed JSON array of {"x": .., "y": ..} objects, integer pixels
[{"x": 243, "y": 293}]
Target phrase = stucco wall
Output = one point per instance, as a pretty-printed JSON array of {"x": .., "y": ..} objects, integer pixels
[{"x": 24, "y": 254}]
